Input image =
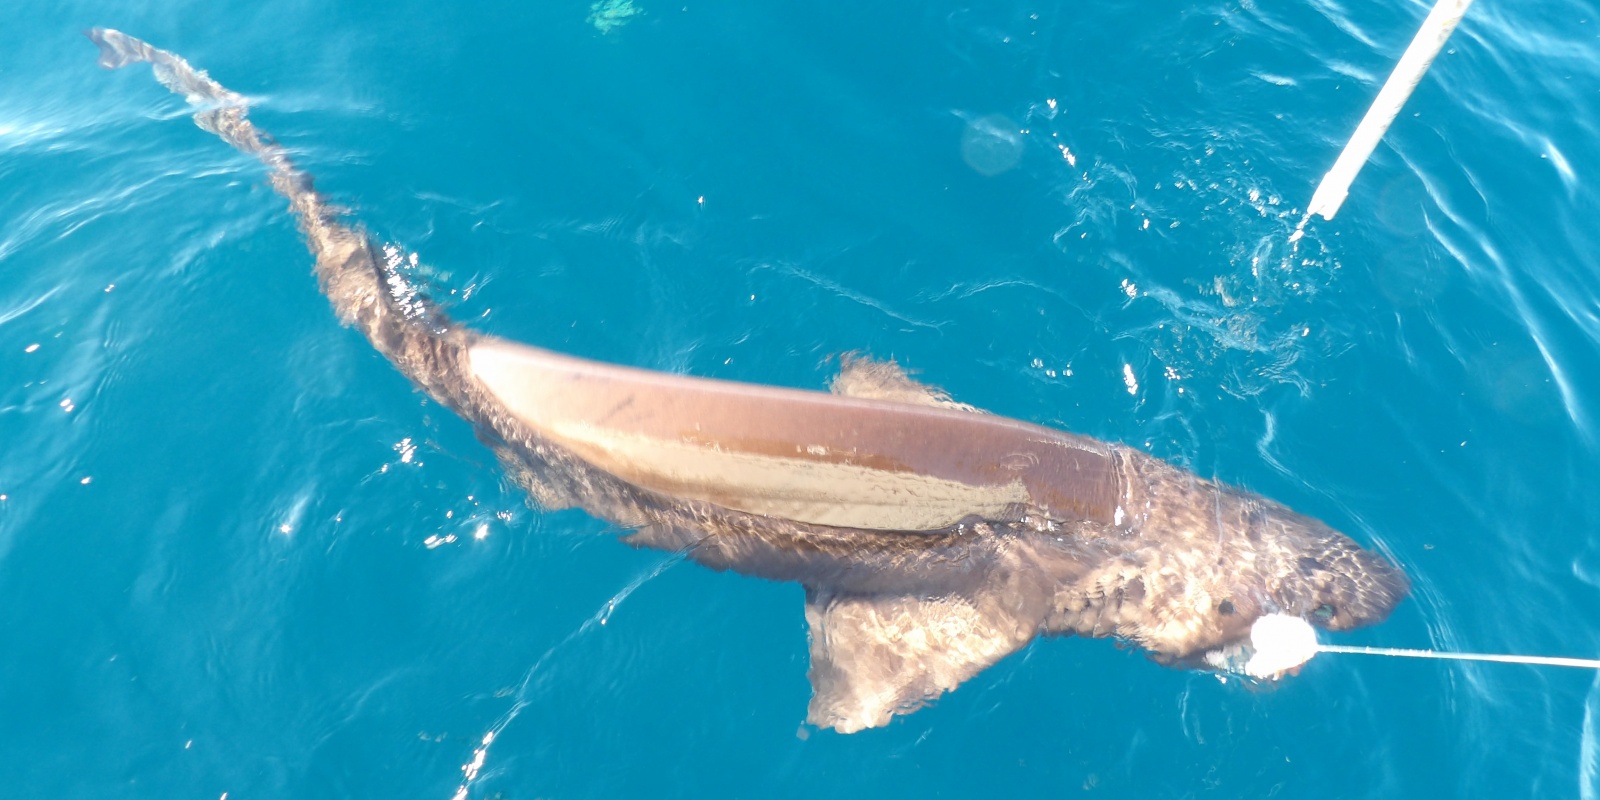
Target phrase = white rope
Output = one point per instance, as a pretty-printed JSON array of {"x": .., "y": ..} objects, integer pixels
[
  {"x": 1282, "y": 642},
  {"x": 1549, "y": 661}
]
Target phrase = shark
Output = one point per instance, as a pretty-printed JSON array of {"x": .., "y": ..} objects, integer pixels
[{"x": 932, "y": 539}]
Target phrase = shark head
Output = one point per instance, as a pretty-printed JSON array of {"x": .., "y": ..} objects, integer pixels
[
  {"x": 1301, "y": 569},
  {"x": 1242, "y": 557},
  {"x": 1337, "y": 585}
]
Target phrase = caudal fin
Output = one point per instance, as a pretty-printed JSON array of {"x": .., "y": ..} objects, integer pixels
[{"x": 364, "y": 284}]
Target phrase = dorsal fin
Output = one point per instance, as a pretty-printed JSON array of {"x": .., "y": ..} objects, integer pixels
[{"x": 866, "y": 377}]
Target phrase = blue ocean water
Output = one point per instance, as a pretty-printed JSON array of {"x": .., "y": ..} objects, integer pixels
[{"x": 241, "y": 556}]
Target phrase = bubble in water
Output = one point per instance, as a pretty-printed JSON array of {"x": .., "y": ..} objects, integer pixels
[{"x": 991, "y": 144}]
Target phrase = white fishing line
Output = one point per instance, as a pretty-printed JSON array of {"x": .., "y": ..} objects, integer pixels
[
  {"x": 1281, "y": 642},
  {"x": 1546, "y": 661}
]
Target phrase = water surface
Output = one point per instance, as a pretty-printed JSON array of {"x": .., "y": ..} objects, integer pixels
[{"x": 239, "y": 554}]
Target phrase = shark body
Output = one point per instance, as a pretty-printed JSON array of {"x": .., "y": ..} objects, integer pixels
[{"x": 932, "y": 539}]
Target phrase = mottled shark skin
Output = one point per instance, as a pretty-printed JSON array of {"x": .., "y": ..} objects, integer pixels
[{"x": 932, "y": 539}]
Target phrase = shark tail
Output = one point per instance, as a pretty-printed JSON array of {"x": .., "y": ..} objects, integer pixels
[
  {"x": 222, "y": 112},
  {"x": 364, "y": 282}
]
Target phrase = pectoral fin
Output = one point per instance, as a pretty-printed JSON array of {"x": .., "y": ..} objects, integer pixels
[{"x": 873, "y": 657}]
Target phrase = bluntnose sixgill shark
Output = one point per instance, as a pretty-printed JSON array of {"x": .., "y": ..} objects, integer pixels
[{"x": 932, "y": 539}]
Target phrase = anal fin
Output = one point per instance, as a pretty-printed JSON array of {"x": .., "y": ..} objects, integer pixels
[{"x": 875, "y": 656}]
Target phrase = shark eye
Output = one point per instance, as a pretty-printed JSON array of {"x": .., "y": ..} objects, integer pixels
[{"x": 1325, "y": 612}]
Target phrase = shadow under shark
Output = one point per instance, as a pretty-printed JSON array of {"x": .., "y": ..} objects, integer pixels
[{"x": 932, "y": 539}]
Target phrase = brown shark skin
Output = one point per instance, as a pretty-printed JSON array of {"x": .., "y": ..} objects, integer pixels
[{"x": 1082, "y": 537}]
